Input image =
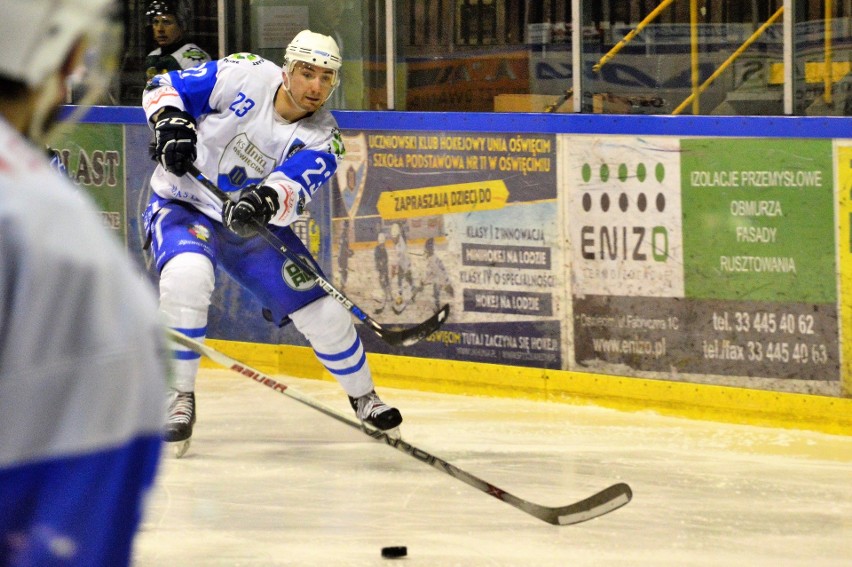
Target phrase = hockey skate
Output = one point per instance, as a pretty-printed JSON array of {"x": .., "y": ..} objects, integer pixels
[
  {"x": 371, "y": 410},
  {"x": 179, "y": 422}
]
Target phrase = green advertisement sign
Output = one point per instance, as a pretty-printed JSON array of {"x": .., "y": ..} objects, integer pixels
[
  {"x": 93, "y": 156},
  {"x": 757, "y": 220},
  {"x": 741, "y": 280}
]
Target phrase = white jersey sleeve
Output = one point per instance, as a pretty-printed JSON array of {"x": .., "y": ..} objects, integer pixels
[{"x": 82, "y": 371}]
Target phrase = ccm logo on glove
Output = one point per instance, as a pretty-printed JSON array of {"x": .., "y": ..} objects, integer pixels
[{"x": 174, "y": 141}]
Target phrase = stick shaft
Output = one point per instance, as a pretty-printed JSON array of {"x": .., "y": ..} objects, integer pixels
[
  {"x": 404, "y": 337},
  {"x": 596, "y": 505}
]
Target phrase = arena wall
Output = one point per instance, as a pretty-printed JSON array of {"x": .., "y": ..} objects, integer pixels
[{"x": 694, "y": 266}]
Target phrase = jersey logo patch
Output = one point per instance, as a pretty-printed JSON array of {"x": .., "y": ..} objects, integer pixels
[
  {"x": 200, "y": 232},
  {"x": 194, "y": 54},
  {"x": 296, "y": 278},
  {"x": 237, "y": 176},
  {"x": 295, "y": 148},
  {"x": 243, "y": 153},
  {"x": 336, "y": 147},
  {"x": 250, "y": 57}
]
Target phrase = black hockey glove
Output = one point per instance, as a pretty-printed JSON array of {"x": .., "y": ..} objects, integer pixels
[
  {"x": 174, "y": 141},
  {"x": 257, "y": 203}
]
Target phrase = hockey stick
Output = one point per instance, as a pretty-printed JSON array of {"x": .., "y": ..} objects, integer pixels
[
  {"x": 598, "y": 504},
  {"x": 402, "y": 337}
]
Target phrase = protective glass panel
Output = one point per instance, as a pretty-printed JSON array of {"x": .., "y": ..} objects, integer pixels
[
  {"x": 823, "y": 37},
  {"x": 683, "y": 57},
  {"x": 484, "y": 55},
  {"x": 637, "y": 56}
]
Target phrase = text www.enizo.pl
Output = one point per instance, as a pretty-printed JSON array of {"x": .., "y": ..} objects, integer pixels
[{"x": 655, "y": 348}]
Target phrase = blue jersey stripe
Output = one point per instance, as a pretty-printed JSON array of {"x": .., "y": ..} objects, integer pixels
[
  {"x": 185, "y": 355},
  {"x": 194, "y": 332},
  {"x": 76, "y": 510}
]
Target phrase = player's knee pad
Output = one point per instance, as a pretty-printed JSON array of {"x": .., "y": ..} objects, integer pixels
[
  {"x": 326, "y": 324},
  {"x": 186, "y": 285}
]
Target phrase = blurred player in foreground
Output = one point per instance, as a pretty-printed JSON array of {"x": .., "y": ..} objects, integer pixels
[
  {"x": 261, "y": 133},
  {"x": 82, "y": 358}
]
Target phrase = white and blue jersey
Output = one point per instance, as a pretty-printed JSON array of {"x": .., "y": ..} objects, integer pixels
[
  {"x": 82, "y": 373},
  {"x": 241, "y": 138}
]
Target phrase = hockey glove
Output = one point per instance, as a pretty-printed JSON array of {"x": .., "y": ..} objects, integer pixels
[
  {"x": 174, "y": 141},
  {"x": 257, "y": 204}
]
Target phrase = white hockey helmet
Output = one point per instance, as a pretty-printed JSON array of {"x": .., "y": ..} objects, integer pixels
[
  {"x": 316, "y": 49},
  {"x": 36, "y": 35}
]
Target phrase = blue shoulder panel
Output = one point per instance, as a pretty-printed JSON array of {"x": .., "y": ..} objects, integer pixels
[{"x": 195, "y": 85}]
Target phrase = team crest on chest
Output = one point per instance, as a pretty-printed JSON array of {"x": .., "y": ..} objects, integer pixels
[{"x": 242, "y": 152}]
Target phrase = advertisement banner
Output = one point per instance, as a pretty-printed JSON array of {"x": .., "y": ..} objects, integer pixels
[
  {"x": 424, "y": 219},
  {"x": 704, "y": 256},
  {"x": 642, "y": 256},
  {"x": 93, "y": 157}
]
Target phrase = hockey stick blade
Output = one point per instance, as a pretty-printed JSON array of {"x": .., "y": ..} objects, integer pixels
[
  {"x": 600, "y": 503},
  {"x": 394, "y": 337},
  {"x": 411, "y": 335}
]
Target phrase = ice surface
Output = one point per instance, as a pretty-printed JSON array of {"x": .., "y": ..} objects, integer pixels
[{"x": 271, "y": 482}]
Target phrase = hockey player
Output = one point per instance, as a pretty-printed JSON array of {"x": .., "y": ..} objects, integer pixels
[
  {"x": 380, "y": 259},
  {"x": 173, "y": 52},
  {"x": 435, "y": 274},
  {"x": 401, "y": 268},
  {"x": 261, "y": 131},
  {"x": 83, "y": 367}
]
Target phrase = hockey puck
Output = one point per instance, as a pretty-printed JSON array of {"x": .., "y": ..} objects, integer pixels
[{"x": 394, "y": 552}]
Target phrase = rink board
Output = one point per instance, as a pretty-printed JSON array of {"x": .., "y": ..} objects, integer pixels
[{"x": 620, "y": 258}]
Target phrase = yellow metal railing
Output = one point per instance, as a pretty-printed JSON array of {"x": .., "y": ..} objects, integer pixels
[
  {"x": 697, "y": 88},
  {"x": 829, "y": 68},
  {"x": 746, "y": 44},
  {"x": 629, "y": 37},
  {"x": 693, "y": 44}
]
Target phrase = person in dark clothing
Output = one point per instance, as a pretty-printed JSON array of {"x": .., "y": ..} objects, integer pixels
[{"x": 173, "y": 52}]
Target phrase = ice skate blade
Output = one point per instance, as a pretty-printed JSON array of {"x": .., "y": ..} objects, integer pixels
[{"x": 179, "y": 448}]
